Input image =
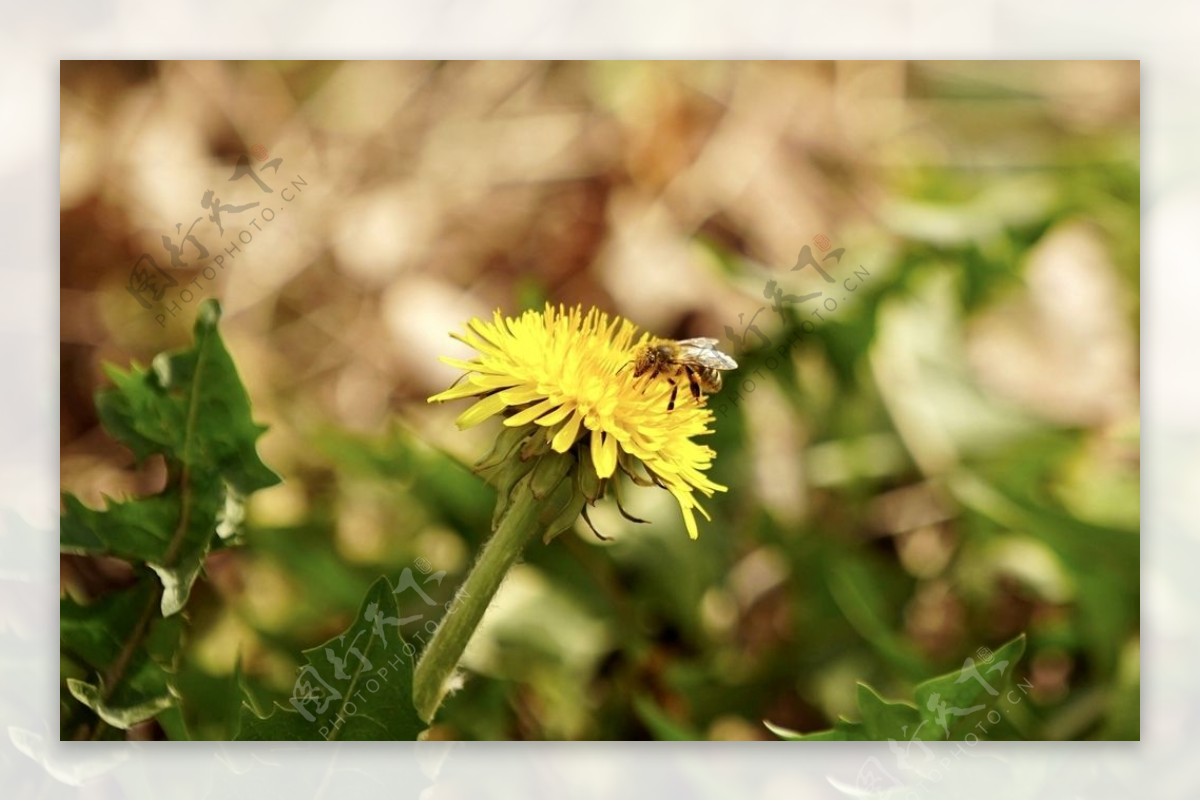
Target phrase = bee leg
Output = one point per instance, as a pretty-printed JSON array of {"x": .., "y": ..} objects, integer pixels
[
  {"x": 648, "y": 377},
  {"x": 694, "y": 382},
  {"x": 674, "y": 392}
]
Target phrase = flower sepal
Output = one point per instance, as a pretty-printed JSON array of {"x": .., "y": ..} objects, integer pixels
[
  {"x": 562, "y": 509},
  {"x": 503, "y": 449},
  {"x": 589, "y": 482},
  {"x": 549, "y": 472},
  {"x": 524, "y": 452}
]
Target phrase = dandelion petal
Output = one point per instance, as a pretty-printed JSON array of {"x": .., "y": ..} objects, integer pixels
[
  {"x": 566, "y": 435},
  {"x": 492, "y": 404}
]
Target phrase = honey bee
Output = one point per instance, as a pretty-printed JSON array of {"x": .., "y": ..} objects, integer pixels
[{"x": 697, "y": 359}]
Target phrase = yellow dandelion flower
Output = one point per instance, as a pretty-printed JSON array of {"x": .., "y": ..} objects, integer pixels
[{"x": 565, "y": 372}]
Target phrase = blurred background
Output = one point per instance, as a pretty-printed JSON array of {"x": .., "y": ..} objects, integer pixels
[{"x": 936, "y": 453}]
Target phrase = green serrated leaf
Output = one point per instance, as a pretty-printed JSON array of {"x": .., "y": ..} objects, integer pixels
[
  {"x": 948, "y": 707},
  {"x": 138, "y": 530},
  {"x": 356, "y": 686},
  {"x": 121, "y": 717},
  {"x": 842, "y": 730},
  {"x": 883, "y": 720},
  {"x": 171, "y": 532},
  {"x": 192, "y": 408},
  {"x": 142, "y": 529},
  {"x": 206, "y": 707},
  {"x": 177, "y": 584},
  {"x": 119, "y": 414},
  {"x": 956, "y": 703},
  {"x": 122, "y": 629}
]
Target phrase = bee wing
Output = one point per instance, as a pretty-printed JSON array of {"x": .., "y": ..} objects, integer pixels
[{"x": 703, "y": 351}]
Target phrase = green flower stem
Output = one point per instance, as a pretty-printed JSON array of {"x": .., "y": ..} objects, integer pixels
[{"x": 517, "y": 526}]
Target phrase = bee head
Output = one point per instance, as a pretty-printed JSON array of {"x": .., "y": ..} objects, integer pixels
[{"x": 646, "y": 359}]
